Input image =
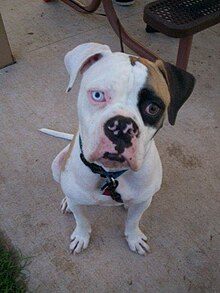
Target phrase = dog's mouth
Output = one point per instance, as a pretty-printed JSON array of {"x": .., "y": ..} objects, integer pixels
[
  {"x": 113, "y": 160},
  {"x": 114, "y": 157}
]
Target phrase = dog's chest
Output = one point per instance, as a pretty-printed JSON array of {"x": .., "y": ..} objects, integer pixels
[
  {"x": 84, "y": 190},
  {"x": 80, "y": 184},
  {"x": 88, "y": 192}
]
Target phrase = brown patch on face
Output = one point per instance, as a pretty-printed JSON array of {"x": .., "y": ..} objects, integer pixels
[
  {"x": 68, "y": 154},
  {"x": 134, "y": 59},
  {"x": 155, "y": 80}
]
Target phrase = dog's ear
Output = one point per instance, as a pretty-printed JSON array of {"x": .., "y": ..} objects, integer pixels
[
  {"x": 82, "y": 57},
  {"x": 180, "y": 84}
]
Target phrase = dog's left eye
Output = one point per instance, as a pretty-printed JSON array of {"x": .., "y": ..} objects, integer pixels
[
  {"x": 98, "y": 96},
  {"x": 152, "y": 109}
]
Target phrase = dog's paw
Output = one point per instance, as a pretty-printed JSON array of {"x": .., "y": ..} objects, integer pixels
[
  {"x": 64, "y": 206},
  {"x": 79, "y": 241},
  {"x": 137, "y": 242}
]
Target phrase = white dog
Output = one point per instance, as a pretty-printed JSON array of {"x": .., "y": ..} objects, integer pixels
[{"x": 113, "y": 160}]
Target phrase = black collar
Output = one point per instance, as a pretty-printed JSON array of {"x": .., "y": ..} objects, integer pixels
[{"x": 109, "y": 188}]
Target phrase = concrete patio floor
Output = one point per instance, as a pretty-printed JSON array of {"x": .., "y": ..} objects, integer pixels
[{"x": 183, "y": 222}]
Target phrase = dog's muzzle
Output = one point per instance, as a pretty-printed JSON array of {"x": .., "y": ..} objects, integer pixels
[
  {"x": 118, "y": 144},
  {"x": 120, "y": 131}
]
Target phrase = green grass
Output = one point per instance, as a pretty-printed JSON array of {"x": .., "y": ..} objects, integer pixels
[{"x": 12, "y": 264}]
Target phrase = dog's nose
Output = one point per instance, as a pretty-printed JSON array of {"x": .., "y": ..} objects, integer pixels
[{"x": 120, "y": 130}]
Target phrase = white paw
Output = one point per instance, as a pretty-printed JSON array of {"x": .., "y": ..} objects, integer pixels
[
  {"x": 79, "y": 241},
  {"x": 64, "y": 206},
  {"x": 137, "y": 241}
]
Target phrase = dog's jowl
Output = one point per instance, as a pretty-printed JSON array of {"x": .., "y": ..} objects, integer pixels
[{"x": 113, "y": 159}]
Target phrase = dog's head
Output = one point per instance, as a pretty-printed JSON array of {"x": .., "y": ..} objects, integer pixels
[{"x": 122, "y": 102}]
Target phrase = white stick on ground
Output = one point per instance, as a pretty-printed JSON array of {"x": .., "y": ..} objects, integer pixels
[{"x": 58, "y": 134}]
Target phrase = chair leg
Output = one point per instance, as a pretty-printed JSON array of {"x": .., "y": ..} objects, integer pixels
[
  {"x": 150, "y": 29},
  {"x": 184, "y": 52},
  {"x": 124, "y": 36},
  {"x": 89, "y": 7}
]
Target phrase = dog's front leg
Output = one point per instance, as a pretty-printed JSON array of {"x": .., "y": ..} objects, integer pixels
[
  {"x": 81, "y": 235},
  {"x": 135, "y": 237}
]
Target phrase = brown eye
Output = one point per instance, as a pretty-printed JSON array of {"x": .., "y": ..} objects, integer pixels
[{"x": 152, "y": 109}]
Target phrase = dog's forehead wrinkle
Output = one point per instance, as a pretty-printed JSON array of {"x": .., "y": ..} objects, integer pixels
[
  {"x": 118, "y": 63},
  {"x": 108, "y": 75}
]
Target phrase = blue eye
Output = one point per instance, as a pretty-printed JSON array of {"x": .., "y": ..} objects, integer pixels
[{"x": 98, "y": 96}]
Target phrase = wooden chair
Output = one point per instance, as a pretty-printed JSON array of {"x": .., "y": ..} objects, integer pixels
[{"x": 161, "y": 16}]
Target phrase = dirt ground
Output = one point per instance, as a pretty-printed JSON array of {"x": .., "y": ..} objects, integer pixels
[{"x": 183, "y": 221}]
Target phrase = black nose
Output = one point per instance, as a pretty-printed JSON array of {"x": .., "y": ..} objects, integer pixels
[{"x": 120, "y": 130}]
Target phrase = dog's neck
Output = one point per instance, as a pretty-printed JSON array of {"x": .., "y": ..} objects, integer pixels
[
  {"x": 97, "y": 169},
  {"x": 110, "y": 185}
]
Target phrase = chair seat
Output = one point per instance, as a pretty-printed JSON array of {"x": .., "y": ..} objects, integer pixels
[{"x": 182, "y": 18}]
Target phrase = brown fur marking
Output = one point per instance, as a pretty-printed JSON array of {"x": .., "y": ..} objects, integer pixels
[
  {"x": 156, "y": 77},
  {"x": 68, "y": 154}
]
